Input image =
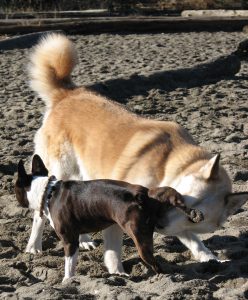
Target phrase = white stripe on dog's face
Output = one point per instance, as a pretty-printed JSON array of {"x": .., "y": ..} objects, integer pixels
[
  {"x": 35, "y": 195},
  {"x": 36, "y": 192}
]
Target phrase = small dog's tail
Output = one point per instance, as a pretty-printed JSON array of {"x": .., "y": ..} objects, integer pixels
[
  {"x": 51, "y": 64},
  {"x": 171, "y": 198}
]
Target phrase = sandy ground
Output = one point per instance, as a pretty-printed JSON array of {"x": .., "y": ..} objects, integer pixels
[{"x": 216, "y": 115}]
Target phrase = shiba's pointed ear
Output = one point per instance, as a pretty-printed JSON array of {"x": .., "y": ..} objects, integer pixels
[
  {"x": 21, "y": 170},
  {"x": 38, "y": 167},
  {"x": 235, "y": 201},
  {"x": 211, "y": 169}
]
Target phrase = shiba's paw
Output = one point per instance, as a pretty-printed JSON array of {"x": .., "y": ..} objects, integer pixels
[
  {"x": 88, "y": 245},
  {"x": 121, "y": 274},
  {"x": 205, "y": 257},
  {"x": 33, "y": 248},
  {"x": 86, "y": 242},
  {"x": 223, "y": 260},
  {"x": 70, "y": 281},
  {"x": 65, "y": 280}
]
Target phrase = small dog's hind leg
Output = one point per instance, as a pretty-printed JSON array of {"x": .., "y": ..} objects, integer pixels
[
  {"x": 35, "y": 241},
  {"x": 86, "y": 242},
  {"x": 71, "y": 254},
  {"x": 112, "y": 243}
]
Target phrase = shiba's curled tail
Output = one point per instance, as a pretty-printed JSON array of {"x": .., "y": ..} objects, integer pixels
[{"x": 51, "y": 64}]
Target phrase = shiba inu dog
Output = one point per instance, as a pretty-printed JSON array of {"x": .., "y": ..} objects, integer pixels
[
  {"x": 86, "y": 136},
  {"x": 76, "y": 207}
]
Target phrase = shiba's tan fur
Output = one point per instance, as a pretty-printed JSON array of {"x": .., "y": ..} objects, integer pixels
[{"x": 86, "y": 136}]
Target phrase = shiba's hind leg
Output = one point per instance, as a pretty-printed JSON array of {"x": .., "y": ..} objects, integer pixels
[{"x": 112, "y": 243}]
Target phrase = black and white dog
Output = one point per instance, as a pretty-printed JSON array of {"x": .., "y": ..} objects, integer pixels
[{"x": 78, "y": 207}]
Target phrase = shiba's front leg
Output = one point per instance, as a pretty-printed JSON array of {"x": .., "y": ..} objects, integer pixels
[
  {"x": 112, "y": 243},
  {"x": 35, "y": 241},
  {"x": 196, "y": 246}
]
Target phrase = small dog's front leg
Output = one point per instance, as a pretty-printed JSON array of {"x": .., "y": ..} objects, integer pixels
[
  {"x": 144, "y": 243},
  {"x": 71, "y": 254},
  {"x": 146, "y": 253},
  {"x": 35, "y": 241}
]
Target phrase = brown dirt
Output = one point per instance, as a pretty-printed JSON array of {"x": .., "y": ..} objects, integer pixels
[{"x": 214, "y": 112}]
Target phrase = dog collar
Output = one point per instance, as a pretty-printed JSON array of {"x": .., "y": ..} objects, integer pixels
[{"x": 50, "y": 187}]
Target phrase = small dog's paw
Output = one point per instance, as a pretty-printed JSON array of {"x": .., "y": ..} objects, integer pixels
[
  {"x": 88, "y": 245},
  {"x": 33, "y": 249},
  {"x": 156, "y": 277},
  {"x": 156, "y": 268}
]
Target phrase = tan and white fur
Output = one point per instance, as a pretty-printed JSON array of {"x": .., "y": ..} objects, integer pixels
[{"x": 86, "y": 136}]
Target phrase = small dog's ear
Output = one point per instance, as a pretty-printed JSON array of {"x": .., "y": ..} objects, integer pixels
[
  {"x": 38, "y": 167},
  {"x": 21, "y": 170}
]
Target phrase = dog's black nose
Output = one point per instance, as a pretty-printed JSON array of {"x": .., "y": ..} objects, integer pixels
[
  {"x": 53, "y": 188},
  {"x": 159, "y": 226},
  {"x": 52, "y": 178},
  {"x": 196, "y": 216}
]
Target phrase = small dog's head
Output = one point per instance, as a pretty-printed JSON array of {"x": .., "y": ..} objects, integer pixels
[{"x": 24, "y": 180}]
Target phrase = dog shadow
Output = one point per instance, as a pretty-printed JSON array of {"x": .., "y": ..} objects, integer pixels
[
  {"x": 214, "y": 271},
  {"x": 193, "y": 270},
  {"x": 212, "y": 71},
  {"x": 235, "y": 248}
]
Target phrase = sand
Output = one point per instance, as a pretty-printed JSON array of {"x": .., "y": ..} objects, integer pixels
[{"x": 215, "y": 113}]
